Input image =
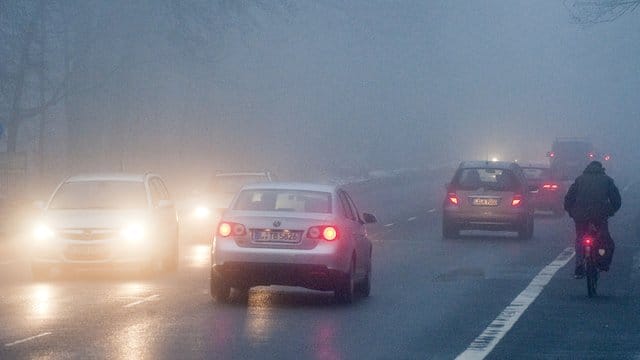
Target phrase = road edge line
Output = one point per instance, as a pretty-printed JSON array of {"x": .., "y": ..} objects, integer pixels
[{"x": 491, "y": 336}]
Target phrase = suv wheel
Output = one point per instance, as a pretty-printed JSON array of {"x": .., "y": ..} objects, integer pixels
[{"x": 526, "y": 229}]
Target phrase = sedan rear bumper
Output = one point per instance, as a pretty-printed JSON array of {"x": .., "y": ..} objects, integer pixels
[
  {"x": 245, "y": 275},
  {"x": 493, "y": 222}
]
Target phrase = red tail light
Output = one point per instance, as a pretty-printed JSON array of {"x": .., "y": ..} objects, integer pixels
[
  {"x": 517, "y": 200},
  {"x": 453, "y": 198},
  {"x": 607, "y": 157},
  {"x": 551, "y": 154},
  {"x": 326, "y": 232},
  {"x": 588, "y": 240},
  {"x": 550, "y": 186},
  {"x": 228, "y": 228},
  {"x": 591, "y": 155}
]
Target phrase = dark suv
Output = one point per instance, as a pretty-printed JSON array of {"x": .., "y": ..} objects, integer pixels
[
  {"x": 488, "y": 195},
  {"x": 569, "y": 156}
]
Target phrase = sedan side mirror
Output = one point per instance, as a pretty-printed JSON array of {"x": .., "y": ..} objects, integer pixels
[{"x": 369, "y": 218}]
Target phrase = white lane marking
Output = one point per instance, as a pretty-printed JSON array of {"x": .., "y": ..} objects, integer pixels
[
  {"x": 27, "y": 339},
  {"x": 389, "y": 225},
  {"x": 431, "y": 210},
  {"x": 149, "y": 298},
  {"x": 8, "y": 262},
  {"x": 411, "y": 218},
  {"x": 491, "y": 336}
]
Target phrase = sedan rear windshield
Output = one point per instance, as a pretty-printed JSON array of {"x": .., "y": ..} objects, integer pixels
[
  {"x": 490, "y": 179},
  {"x": 100, "y": 195},
  {"x": 284, "y": 200}
]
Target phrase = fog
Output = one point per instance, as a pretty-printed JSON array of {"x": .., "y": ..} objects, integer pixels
[{"x": 312, "y": 88}]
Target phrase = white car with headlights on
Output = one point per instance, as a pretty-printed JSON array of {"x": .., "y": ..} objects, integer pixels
[
  {"x": 105, "y": 221},
  {"x": 292, "y": 234},
  {"x": 199, "y": 215}
]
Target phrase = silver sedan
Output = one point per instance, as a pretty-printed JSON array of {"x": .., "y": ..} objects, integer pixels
[{"x": 294, "y": 234}]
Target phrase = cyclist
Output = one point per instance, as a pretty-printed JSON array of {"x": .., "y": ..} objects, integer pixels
[{"x": 593, "y": 197}]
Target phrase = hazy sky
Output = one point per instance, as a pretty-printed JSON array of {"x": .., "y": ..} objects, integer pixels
[
  {"x": 410, "y": 81},
  {"x": 364, "y": 84}
]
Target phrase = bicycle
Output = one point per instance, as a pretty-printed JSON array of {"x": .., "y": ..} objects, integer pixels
[{"x": 590, "y": 242}]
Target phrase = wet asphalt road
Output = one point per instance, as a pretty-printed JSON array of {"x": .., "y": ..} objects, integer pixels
[{"x": 430, "y": 299}]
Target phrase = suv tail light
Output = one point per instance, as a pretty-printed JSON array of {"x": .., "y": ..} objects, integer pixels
[
  {"x": 230, "y": 228},
  {"x": 517, "y": 200},
  {"x": 550, "y": 186},
  {"x": 607, "y": 157},
  {"x": 325, "y": 232},
  {"x": 453, "y": 199},
  {"x": 591, "y": 155}
]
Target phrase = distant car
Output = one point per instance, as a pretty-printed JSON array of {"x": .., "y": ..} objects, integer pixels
[
  {"x": 293, "y": 234},
  {"x": 569, "y": 157},
  {"x": 200, "y": 214},
  {"x": 105, "y": 221},
  {"x": 549, "y": 192},
  {"x": 488, "y": 195}
]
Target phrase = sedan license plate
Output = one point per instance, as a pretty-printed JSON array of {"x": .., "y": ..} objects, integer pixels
[
  {"x": 276, "y": 236},
  {"x": 87, "y": 251},
  {"x": 485, "y": 201}
]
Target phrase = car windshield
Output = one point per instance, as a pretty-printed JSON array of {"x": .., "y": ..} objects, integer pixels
[
  {"x": 100, "y": 195},
  {"x": 487, "y": 178},
  {"x": 284, "y": 200},
  {"x": 233, "y": 183},
  {"x": 535, "y": 173}
]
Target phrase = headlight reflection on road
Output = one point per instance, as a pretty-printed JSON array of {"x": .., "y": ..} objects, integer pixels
[
  {"x": 199, "y": 255},
  {"x": 41, "y": 300},
  {"x": 324, "y": 338},
  {"x": 133, "y": 341},
  {"x": 259, "y": 324}
]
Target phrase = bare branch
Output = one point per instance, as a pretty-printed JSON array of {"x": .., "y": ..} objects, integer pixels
[{"x": 599, "y": 11}]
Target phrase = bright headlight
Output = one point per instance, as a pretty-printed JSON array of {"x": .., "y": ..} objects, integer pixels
[
  {"x": 42, "y": 232},
  {"x": 133, "y": 232},
  {"x": 201, "y": 212}
]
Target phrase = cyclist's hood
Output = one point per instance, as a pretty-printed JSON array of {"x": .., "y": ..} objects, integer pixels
[{"x": 594, "y": 167}]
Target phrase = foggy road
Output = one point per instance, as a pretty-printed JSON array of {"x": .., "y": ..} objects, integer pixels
[{"x": 430, "y": 299}]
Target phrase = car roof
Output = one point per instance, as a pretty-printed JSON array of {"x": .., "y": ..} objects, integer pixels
[
  {"x": 291, "y": 186},
  {"x": 488, "y": 164},
  {"x": 263, "y": 173},
  {"x": 533, "y": 165},
  {"x": 108, "y": 177}
]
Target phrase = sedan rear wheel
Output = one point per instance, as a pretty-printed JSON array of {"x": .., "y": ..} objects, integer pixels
[
  {"x": 449, "y": 230},
  {"x": 345, "y": 289},
  {"x": 220, "y": 291},
  {"x": 365, "y": 284}
]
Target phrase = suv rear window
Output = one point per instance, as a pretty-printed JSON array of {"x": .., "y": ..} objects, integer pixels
[
  {"x": 572, "y": 149},
  {"x": 536, "y": 173},
  {"x": 487, "y": 178}
]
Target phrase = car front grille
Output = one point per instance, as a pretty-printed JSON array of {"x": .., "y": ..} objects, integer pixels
[{"x": 87, "y": 234}]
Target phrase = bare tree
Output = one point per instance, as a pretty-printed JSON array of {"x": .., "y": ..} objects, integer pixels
[{"x": 599, "y": 11}]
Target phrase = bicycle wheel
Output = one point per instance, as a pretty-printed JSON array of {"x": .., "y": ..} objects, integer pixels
[{"x": 592, "y": 279}]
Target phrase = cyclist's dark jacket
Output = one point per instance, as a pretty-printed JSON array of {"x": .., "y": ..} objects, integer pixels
[{"x": 593, "y": 195}]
